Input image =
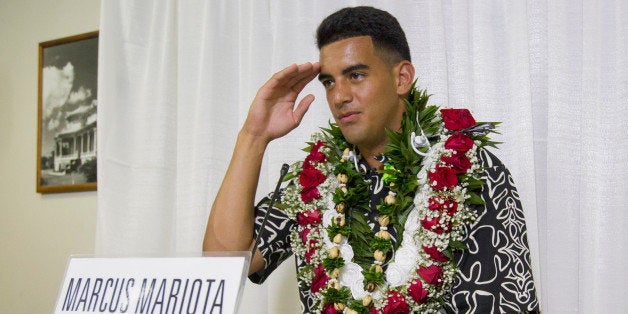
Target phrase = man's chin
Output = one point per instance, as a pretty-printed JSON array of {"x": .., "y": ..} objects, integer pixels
[{"x": 352, "y": 135}]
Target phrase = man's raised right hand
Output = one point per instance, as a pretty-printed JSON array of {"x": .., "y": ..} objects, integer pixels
[{"x": 273, "y": 113}]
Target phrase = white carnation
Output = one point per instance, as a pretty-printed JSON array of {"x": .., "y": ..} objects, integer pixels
[
  {"x": 406, "y": 257},
  {"x": 346, "y": 251},
  {"x": 396, "y": 275},
  {"x": 325, "y": 237},
  {"x": 351, "y": 276},
  {"x": 329, "y": 216},
  {"x": 412, "y": 222}
]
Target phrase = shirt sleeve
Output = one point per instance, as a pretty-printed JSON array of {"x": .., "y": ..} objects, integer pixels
[
  {"x": 274, "y": 241},
  {"x": 495, "y": 275}
]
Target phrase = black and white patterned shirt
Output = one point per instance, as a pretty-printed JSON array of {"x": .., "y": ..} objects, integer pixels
[{"x": 494, "y": 274}]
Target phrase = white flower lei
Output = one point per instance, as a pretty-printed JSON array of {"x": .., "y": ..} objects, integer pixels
[{"x": 401, "y": 271}]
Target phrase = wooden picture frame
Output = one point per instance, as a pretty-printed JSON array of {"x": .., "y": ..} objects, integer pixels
[{"x": 66, "y": 115}]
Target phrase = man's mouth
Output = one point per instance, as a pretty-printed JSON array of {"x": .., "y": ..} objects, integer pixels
[{"x": 349, "y": 117}]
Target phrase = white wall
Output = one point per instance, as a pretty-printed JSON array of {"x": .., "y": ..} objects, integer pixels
[{"x": 37, "y": 232}]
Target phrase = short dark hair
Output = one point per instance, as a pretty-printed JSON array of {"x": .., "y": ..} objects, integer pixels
[{"x": 381, "y": 26}]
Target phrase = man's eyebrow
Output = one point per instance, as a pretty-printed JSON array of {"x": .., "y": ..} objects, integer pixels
[
  {"x": 352, "y": 68},
  {"x": 349, "y": 69},
  {"x": 324, "y": 76}
]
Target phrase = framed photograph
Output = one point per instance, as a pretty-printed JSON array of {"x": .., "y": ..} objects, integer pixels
[{"x": 66, "y": 118}]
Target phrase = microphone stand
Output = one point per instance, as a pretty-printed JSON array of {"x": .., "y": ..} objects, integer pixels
[{"x": 284, "y": 171}]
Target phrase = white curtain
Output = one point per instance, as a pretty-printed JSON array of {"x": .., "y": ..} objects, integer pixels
[{"x": 177, "y": 77}]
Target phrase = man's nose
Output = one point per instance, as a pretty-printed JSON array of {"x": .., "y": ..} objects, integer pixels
[{"x": 342, "y": 94}]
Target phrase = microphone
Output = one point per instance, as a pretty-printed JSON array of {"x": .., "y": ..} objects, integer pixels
[{"x": 284, "y": 171}]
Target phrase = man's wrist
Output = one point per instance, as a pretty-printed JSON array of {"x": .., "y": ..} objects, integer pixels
[{"x": 254, "y": 142}]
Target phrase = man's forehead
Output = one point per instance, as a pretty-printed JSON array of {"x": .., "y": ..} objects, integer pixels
[{"x": 346, "y": 52}]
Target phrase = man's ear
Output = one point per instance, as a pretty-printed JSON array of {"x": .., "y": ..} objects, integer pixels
[{"x": 405, "y": 77}]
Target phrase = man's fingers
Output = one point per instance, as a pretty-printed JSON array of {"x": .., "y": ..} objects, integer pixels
[
  {"x": 280, "y": 78},
  {"x": 282, "y": 84},
  {"x": 291, "y": 78},
  {"x": 305, "y": 71},
  {"x": 291, "y": 74},
  {"x": 286, "y": 84},
  {"x": 287, "y": 74},
  {"x": 302, "y": 108},
  {"x": 300, "y": 85}
]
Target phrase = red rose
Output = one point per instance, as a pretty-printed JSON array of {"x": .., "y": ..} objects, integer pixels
[
  {"x": 309, "y": 254},
  {"x": 303, "y": 234},
  {"x": 315, "y": 155},
  {"x": 311, "y": 217},
  {"x": 417, "y": 292},
  {"x": 311, "y": 244},
  {"x": 435, "y": 254},
  {"x": 430, "y": 274},
  {"x": 374, "y": 311},
  {"x": 317, "y": 146},
  {"x": 459, "y": 142},
  {"x": 396, "y": 304},
  {"x": 447, "y": 205},
  {"x": 457, "y": 161},
  {"x": 443, "y": 177},
  {"x": 433, "y": 225},
  {"x": 311, "y": 177},
  {"x": 309, "y": 194},
  {"x": 313, "y": 158},
  {"x": 457, "y": 119},
  {"x": 434, "y": 203},
  {"x": 319, "y": 280},
  {"x": 329, "y": 309}
]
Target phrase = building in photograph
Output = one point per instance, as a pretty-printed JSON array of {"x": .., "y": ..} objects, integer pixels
[{"x": 76, "y": 143}]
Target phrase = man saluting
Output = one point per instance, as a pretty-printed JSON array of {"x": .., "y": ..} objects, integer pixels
[{"x": 397, "y": 208}]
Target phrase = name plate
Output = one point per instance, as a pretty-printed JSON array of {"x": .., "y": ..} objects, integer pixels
[{"x": 207, "y": 284}]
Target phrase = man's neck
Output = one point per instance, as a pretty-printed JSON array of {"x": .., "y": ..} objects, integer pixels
[{"x": 370, "y": 154}]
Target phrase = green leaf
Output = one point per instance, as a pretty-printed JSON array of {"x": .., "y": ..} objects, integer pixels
[
  {"x": 457, "y": 246},
  {"x": 474, "y": 199},
  {"x": 474, "y": 184},
  {"x": 334, "y": 296},
  {"x": 357, "y": 306},
  {"x": 333, "y": 263},
  {"x": 380, "y": 244},
  {"x": 289, "y": 176},
  {"x": 373, "y": 276},
  {"x": 334, "y": 229}
]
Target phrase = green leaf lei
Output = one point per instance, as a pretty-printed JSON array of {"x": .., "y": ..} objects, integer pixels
[{"x": 329, "y": 224}]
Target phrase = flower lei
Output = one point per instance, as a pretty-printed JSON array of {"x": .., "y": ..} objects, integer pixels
[{"x": 434, "y": 179}]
